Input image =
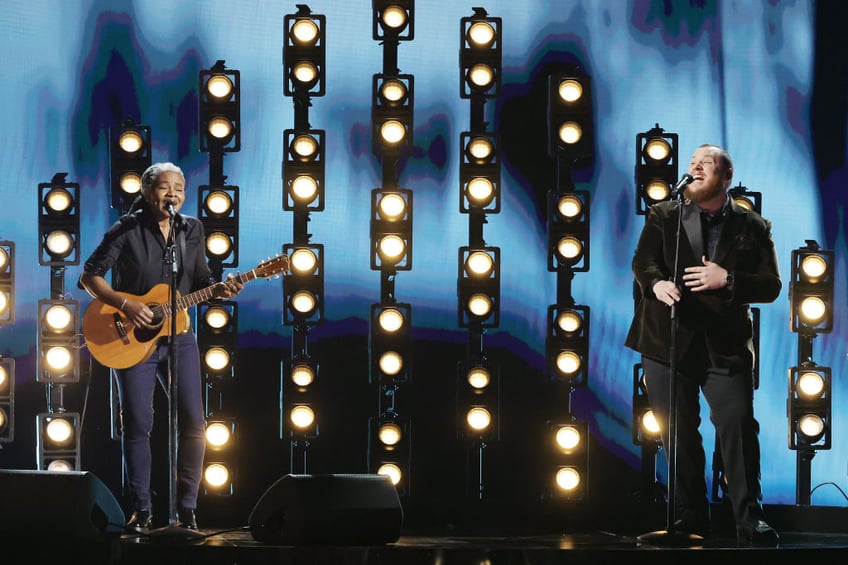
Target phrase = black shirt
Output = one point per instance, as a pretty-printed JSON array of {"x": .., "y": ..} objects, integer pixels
[{"x": 136, "y": 253}]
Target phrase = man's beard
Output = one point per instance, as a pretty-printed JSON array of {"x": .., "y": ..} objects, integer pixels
[{"x": 703, "y": 195}]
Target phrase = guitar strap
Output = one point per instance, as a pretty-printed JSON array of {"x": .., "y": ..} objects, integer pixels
[{"x": 181, "y": 237}]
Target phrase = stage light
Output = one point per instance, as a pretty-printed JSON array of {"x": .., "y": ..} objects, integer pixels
[
  {"x": 221, "y": 457},
  {"x": 58, "y": 447},
  {"x": 390, "y": 448},
  {"x": 645, "y": 428},
  {"x": 811, "y": 290},
  {"x": 393, "y": 100},
  {"x": 567, "y": 344},
  {"x": 58, "y": 341},
  {"x": 479, "y": 174},
  {"x": 570, "y": 119},
  {"x": 58, "y": 222},
  {"x": 478, "y": 400},
  {"x": 303, "y": 170},
  {"x": 391, "y": 229},
  {"x": 569, "y": 455},
  {"x": 809, "y": 407},
  {"x": 218, "y": 208},
  {"x": 392, "y": 471},
  {"x": 7, "y": 400},
  {"x": 304, "y": 53},
  {"x": 480, "y": 55},
  {"x": 656, "y": 167},
  {"x": 7, "y": 283},
  {"x": 216, "y": 338},
  {"x": 303, "y": 285},
  {"x": 746, "y": 198},
  {"x": 220, "y": 109},
  {"x": 479, "y": 287},
  {"x": 568, "y": 231},
  {"x": 390, "y": 345},
  {"x": 129, "y": 157},
  {"x": 393, "y": 20},
  {"x": 299, "y": 398}
]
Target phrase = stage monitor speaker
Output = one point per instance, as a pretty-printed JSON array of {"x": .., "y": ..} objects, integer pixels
[
  {"x": 342, "y": 509},
  {"x": 73, "y": 505}
]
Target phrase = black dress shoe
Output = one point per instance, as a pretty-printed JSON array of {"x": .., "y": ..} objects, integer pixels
[
  {"x": 697, "y": 528},
  {"x": 758, "y": 533},
  {"x": 140, "y": 521},
  {"x": 187, "y": 519}
]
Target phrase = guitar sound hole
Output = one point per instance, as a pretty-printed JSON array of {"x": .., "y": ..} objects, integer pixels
[{"x": 158, "y": 315}]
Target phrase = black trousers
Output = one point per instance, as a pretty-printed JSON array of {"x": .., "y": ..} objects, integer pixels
[{"x": 730, "y": 396}]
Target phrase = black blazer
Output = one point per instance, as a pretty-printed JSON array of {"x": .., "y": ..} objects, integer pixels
[{"x": 722, "y": 316}]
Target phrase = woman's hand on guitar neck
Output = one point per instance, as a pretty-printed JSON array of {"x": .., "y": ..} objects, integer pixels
[{"x": 228, "y": 288}]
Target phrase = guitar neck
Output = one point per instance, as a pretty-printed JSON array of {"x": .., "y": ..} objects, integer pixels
[{"x": 204, "y": 294}]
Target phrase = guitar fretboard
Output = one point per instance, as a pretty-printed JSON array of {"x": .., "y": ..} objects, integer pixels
[{"x": 204, "y": 294}]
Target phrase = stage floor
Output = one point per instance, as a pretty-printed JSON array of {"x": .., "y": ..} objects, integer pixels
[
  {"x": 812, "y": 535},
  {"x": 593, "y": 547}
]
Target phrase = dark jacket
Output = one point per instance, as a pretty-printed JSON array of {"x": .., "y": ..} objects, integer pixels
[{"x": 721, "y": 316}]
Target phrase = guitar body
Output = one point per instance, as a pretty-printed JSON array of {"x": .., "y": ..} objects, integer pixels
[{"x": 115, "y": 341}]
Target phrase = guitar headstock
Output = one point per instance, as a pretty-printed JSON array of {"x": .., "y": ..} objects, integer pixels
[{"x": 272, "y": 267}]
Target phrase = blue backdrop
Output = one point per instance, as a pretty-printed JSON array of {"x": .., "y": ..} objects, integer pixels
[{"x": 749, "y": 76}]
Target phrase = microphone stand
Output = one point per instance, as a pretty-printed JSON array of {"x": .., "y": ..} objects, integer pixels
[
  {"x": 670, "y": 536},
  {"x": 172, "y": 533}
]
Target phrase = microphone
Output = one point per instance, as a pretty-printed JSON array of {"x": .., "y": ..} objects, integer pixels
[
  {"x": 681, "y": 184},
  {"x": 171, "y": 211}
]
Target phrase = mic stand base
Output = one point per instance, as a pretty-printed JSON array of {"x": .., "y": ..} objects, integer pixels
[
  {"x": 670, "y": 538},
  {"x": 175, "y": 535}
]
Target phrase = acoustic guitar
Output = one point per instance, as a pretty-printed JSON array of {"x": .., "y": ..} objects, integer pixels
[{"x": 116, "y": 342}]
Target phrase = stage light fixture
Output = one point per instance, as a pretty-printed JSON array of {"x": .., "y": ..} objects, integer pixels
[
  {"x": 303, "y": 285},
  {"x": 58, "y": 341},
  {"x": 59, "y": 222},
  {"x": 569, "y": 453},
  {"x": 129, "y": 157},
  {"x": 220, "y": 109},
  {"x": 570, "y": 119},
  {"x": 478, "y": 288},
  {"x": 218, "y": 208},
  {"x": 58, "y": 446},
  {"x": 479, "y": 173},
  {"x": 646, "y": 428},
  {"x": 746, "y": 198},
  {"x": 7, "y": 399},
  {"x": 809, "y": 407},
  {"x": 392, "y": 116},
  {"x": 217, "y": 328},
  {"x": 7, "y": 283},
  {"x": 221, "y": 457},
  {"x": 478, "y": 400},
  {"x": 390, "y": 344},
  {"x": 393, "y": 20},
  {"x": 303, "y": 170},
  {"x": 480, "y": 55},
  {"x": 656, "y": 167},
  {"x": 304, "y": 53},
  {"x": 391, "y": 229},
  {"x": 299, "y": 398},
  {"x": 568, "y": 231},
  {"x": 811, "y": 290},
  {"x": 390, "y": 449},
  {"x": 567, "y": 344}
]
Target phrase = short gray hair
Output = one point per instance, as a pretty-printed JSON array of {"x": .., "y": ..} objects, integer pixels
[{"x": 151, "y": 174}]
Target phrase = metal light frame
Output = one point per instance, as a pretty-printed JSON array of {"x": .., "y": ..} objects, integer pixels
[
  {"x": 121, "y": 162},
  {"x": 646, "y": 170}
]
